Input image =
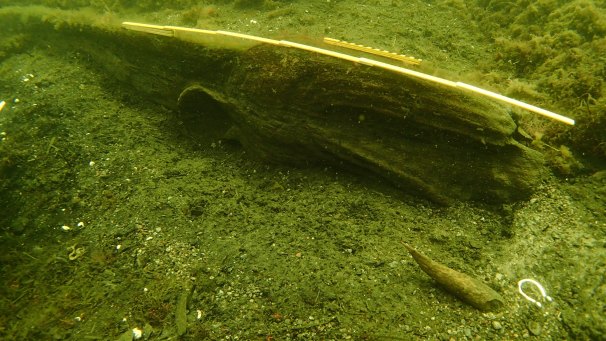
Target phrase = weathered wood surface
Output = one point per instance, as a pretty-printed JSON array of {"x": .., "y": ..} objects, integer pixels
[
  {"x": 438, "y": 141},
  {"x": 298, "y": 107}
]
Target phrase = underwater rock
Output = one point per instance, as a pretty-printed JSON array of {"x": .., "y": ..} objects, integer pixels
[{"x": 464, "y": 287}]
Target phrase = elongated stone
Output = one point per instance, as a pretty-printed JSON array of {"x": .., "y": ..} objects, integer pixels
[{"x": 464, "y": 287}]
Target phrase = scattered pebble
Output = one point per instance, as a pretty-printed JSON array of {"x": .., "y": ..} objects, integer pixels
[
  {"x": 496, "y": 325},
  {"x": 137, "y": 333},
  {"x": 534, "y": 328}
]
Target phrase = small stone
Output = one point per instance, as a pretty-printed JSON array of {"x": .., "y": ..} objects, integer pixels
[
  {"x": 534, "y": 328},
  {"x": 496, "y": 325},
  {"x": 137, "y": 333},
  {"x": 467, "y": 332}
]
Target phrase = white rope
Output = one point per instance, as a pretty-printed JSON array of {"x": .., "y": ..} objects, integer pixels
[{"x": 539, "y": 286}]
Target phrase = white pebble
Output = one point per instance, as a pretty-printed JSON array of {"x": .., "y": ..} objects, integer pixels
[{"x": 137, "y": 333}]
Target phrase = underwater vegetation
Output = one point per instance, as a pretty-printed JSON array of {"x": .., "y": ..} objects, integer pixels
[
  {"x": 148, "y": 5},
  {"x": 122, "y": 215},
  {"x": 560, "y": 48}
]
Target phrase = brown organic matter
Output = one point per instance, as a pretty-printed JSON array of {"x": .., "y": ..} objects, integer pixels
[
  {"x": 297, "y": 107},
  {"x": 465, "y": 287}
]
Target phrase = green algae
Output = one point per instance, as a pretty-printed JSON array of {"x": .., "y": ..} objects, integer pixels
[{"x": 290, "y": 253}]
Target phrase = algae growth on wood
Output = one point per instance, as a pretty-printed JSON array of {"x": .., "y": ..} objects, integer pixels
[{"x": 298, "y": 107}]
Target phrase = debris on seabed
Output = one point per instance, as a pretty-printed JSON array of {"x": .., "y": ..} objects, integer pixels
[{"x": 463, "y": 286}]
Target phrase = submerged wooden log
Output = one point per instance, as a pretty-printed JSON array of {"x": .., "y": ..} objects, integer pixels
[
  {"x": 298, "y": 107},
  {"x": 290, "y": 106}
]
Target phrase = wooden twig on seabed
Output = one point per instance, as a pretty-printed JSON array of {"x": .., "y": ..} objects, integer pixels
[{"x": 465, "y": 287}]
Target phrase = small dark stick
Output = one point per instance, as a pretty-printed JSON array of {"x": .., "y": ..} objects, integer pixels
[{"x": 468, "y": 289}]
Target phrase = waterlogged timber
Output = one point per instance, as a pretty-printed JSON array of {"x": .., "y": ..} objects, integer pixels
[{"x": 297, "y": 107}]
